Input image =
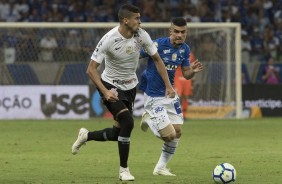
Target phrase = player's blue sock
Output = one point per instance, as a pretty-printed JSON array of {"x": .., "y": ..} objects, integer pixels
[{"x": 168, "y": 151}]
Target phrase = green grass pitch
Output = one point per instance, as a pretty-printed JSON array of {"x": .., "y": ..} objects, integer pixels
[{"x": 39, "y": 152}]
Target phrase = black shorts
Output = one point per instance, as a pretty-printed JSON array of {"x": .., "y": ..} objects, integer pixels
[{"x": 126, "y": 100}]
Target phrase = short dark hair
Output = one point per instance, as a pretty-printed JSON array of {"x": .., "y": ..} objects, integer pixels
[
  {"x": 179, "y": 21},
  {"x": 126, "y": 10}
]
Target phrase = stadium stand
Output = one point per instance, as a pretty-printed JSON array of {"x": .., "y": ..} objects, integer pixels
[
  {"x": 260, "y": 72},
  {"x": 260, "y": 20},
  {"x": 22, "y": 74},
  {"x": 245, "y": 74},
  {"x": 5, "y": 77},
  {"x": 217, "y": 73},
  {"x": 74, "y": 74}
]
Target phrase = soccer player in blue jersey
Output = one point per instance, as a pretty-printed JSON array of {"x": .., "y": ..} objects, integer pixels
[{"x": 162, "y": 114}]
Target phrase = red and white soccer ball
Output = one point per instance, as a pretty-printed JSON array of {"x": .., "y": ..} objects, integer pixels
[{"x": 224, "y": 173}]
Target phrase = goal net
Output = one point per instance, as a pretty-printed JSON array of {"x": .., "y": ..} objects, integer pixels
[{"x": 39, "y": 53}]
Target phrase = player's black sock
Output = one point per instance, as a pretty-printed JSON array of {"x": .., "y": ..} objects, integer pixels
[
  {"x": 123, "y": 147},
  {"x": 108, "y": 134},
  {"x": 126, "y": 125}
]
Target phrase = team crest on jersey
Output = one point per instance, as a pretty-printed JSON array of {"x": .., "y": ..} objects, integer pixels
[
  {"x": 173, "y": 57},
  {"x": 129, "y": 50}
]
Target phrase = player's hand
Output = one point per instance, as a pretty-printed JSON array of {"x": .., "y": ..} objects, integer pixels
[
  {"x": 197, "y": 66},
  {"x": 111, "y": 95},
  {"x": 170, "y": 93}
]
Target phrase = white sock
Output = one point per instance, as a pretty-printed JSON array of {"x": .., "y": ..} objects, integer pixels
[{"x": 168, "y": 151}]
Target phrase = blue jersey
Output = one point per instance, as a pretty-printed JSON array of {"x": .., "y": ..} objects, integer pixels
[{"x": 151, "y": 81}]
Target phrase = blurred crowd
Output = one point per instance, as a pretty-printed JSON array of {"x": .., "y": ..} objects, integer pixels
[{"x": 261, "y": 20}]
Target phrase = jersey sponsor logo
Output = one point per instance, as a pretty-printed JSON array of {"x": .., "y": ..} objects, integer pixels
[
  {"x": 166, "y": 51},
  {"x": 181, "y": 51},
  {"x": 165, "y": 59},
  {"x": 171, "y": 67},
  {"x": 121, "y": 82},
  {"x": 117, "y": 48},
  {"x": 173, "y": 57}
]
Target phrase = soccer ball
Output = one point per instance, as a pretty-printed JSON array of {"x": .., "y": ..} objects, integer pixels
[{"x": 224, "y": 173}]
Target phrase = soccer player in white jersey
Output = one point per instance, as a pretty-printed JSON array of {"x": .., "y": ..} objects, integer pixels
[
  {"x": 164, "y": 115},
  {"x": 120, "y": 49}
]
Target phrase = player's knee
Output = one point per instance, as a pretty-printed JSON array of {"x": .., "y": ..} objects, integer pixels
[
  {"x": 178, "y": 130},
  {"x": 168, "y": 133},
  {"x": 112, "y": 134},
  {"x": 178, "y": 133},
  {"x": 126, "y": 121},
  {"x": 114, "y": 137},
  {"x": 169, "y": 137}
]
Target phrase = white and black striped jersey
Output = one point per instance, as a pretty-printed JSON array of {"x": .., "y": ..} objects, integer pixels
[{"x": 121, "y": 56}]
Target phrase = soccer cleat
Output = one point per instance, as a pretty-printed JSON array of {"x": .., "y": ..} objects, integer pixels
[
  {"x": 163, "y": 171},
  {"x": 81, "y": 139},
  {"x": 124, "y": 174},
  {"x": 144, "y": 126}
]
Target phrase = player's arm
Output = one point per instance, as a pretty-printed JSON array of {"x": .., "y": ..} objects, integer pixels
[
  {"x": 189, "y": 71},
  {"x": 94, "y": 75},
  {"x": 163, "y": 73},
  {"x": 96, "y": 59},
  {"x": 143, "y": 54}
]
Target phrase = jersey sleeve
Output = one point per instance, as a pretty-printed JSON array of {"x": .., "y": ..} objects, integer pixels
[
  {"x": 100, "y": 50},
  {"x": 186, "y": 61},
  {"x": 148, "y": 46},
  {"x": 143, "y": 53},
  {"x": 143, "y": 83}
]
